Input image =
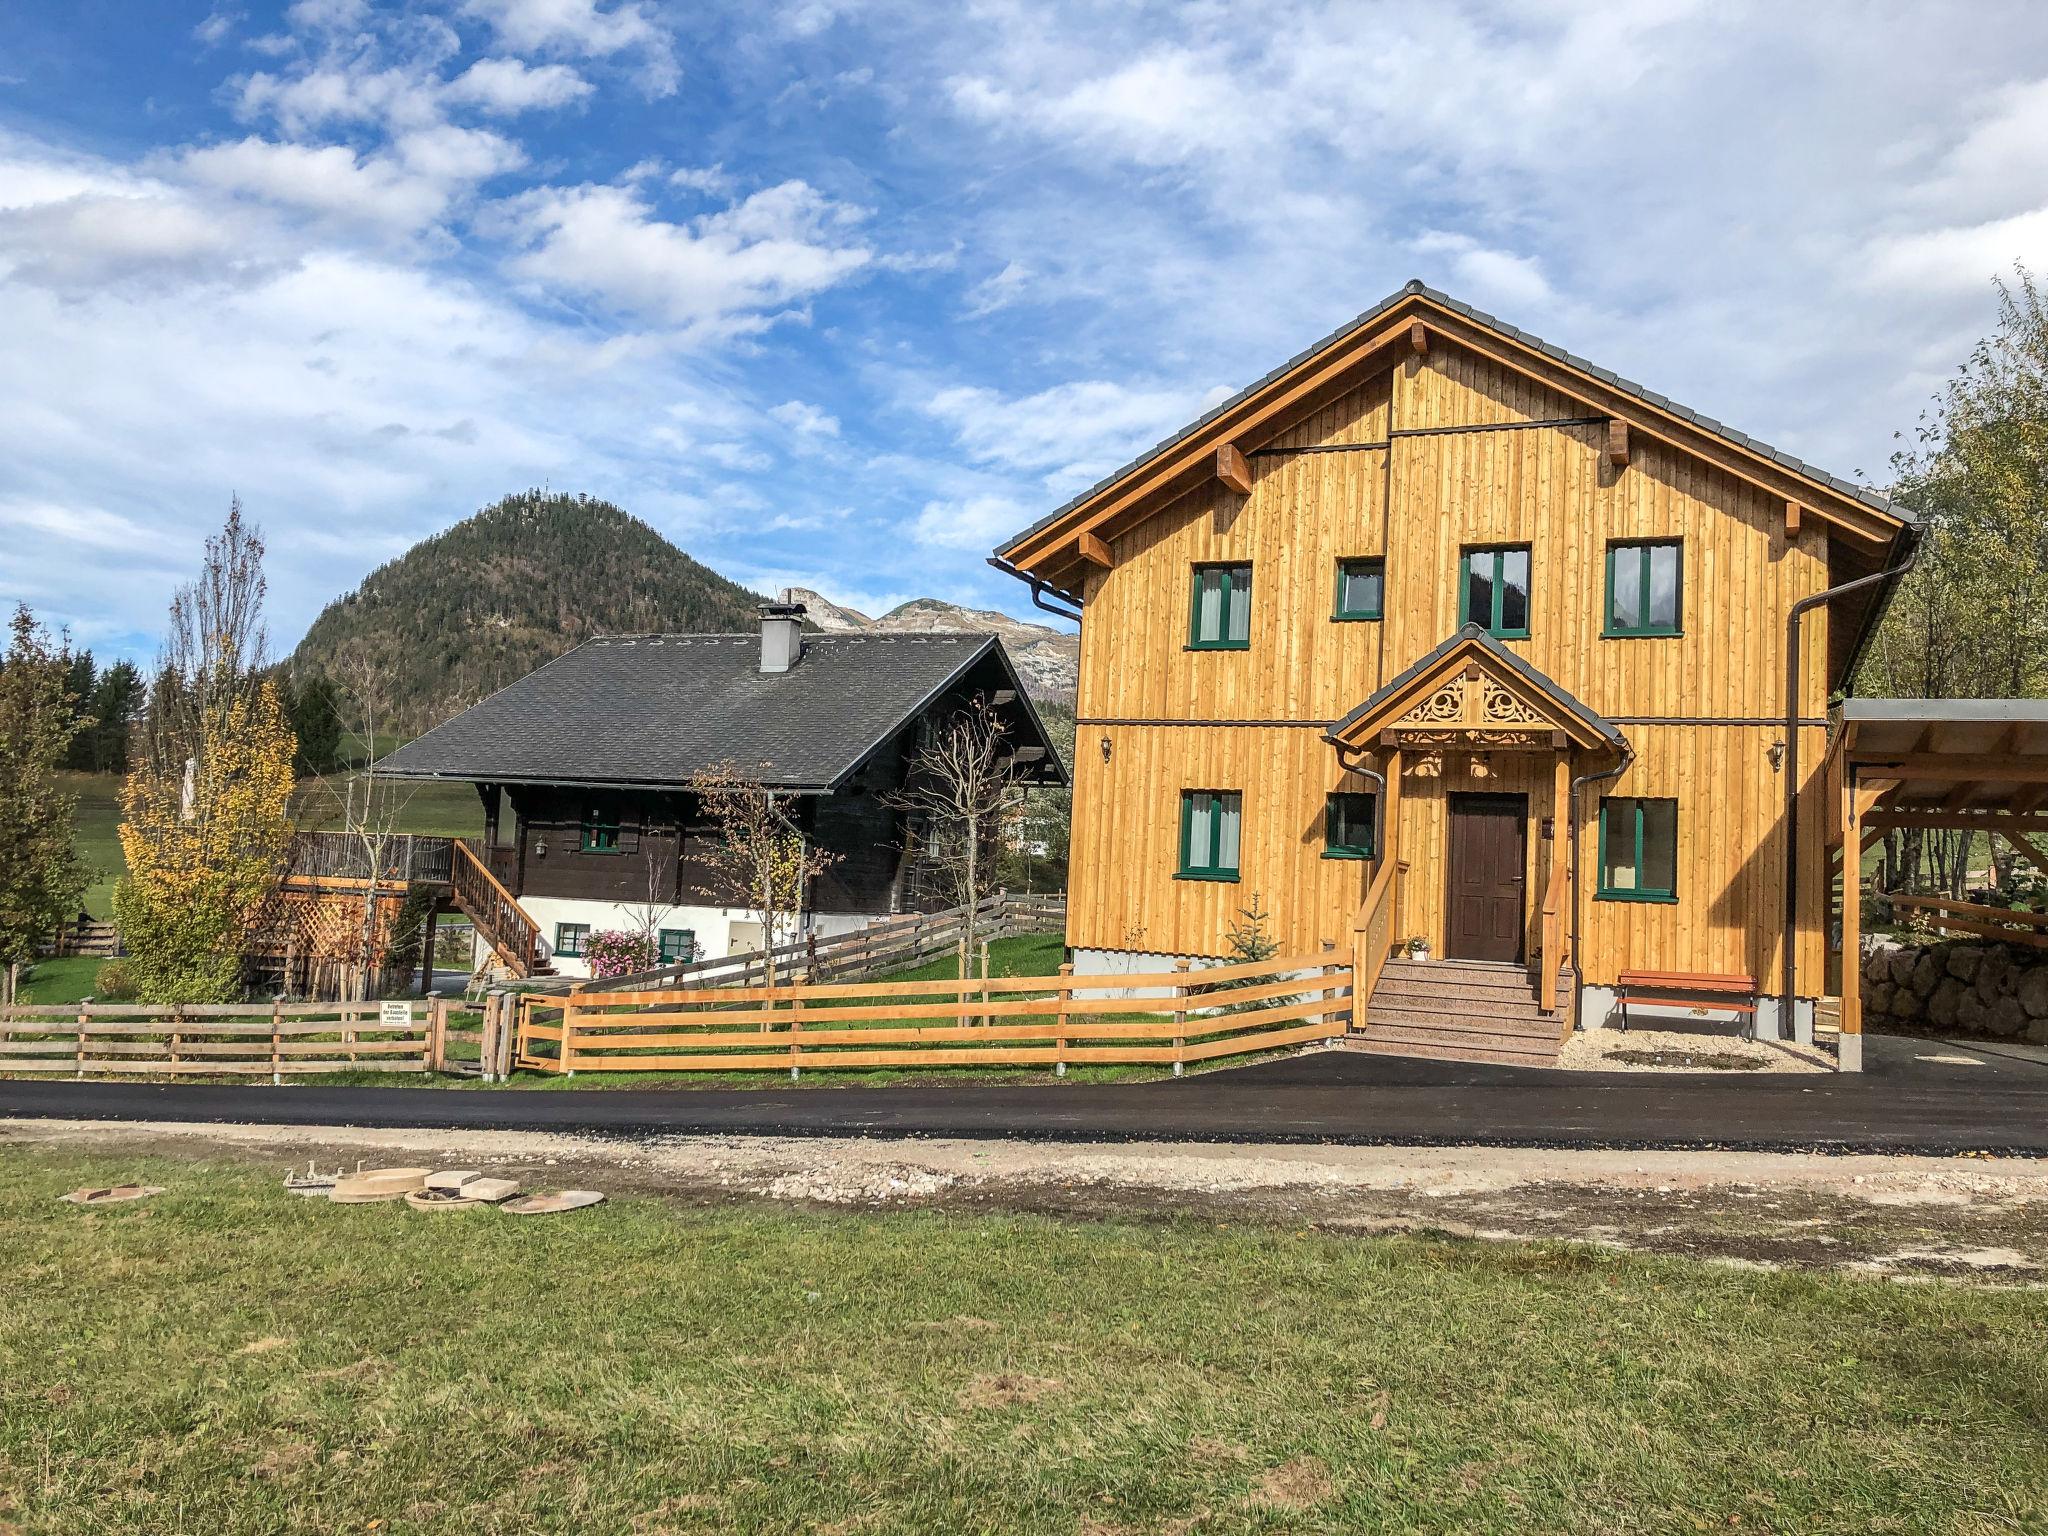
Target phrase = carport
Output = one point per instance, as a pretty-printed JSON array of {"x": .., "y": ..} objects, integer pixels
[{"x": 1964, "y": 765}]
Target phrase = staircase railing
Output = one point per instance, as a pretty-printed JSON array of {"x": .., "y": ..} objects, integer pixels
[
  {"x": 1372, "y": 935},
  {"x": 512, "y": 935},
  {"x": 1551, "y": 956}
]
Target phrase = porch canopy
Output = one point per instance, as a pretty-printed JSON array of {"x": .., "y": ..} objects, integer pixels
[
  {"x": 1957, "y": 765},
  {"x": 1470, "y": 695}
]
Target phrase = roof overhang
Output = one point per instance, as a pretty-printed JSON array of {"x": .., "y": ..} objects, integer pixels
[
  {"x": 1059, "y": 548},
  {"x": 1947, "y": 764},
  {"x": 1473, "y": 694}
]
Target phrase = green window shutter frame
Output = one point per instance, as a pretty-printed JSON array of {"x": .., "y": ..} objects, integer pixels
[
  {"x": 1201, "y": 840},
  {"x": 1633, "y": 812},
  {"x": 1348, "y": 824},
  {"x": 1360, "y": 569},
  {"x": 1233, "y": 604},
  {"x": 1494, "y": 620},
  {"x": 1629, "y": 564}
]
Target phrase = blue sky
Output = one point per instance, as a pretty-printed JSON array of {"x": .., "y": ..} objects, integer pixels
[{"x": 837, "y": 294}]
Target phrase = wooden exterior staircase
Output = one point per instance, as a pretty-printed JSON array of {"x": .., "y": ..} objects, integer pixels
[
  {"x": 1459, "y": 1010},
  {"x": 514, "y": 936}
]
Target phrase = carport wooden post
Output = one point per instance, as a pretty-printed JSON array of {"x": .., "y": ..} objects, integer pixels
[
  {"x": 1063, "y": 994},
  {"x": 1180, "y": 1016},
  {"x": 1849, "y": 1044}
]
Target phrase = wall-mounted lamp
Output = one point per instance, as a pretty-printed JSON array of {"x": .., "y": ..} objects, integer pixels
[
  {"x": 1105, "y": 749},
  {"x": 1777, "y": 755},
  {"x": 540, "y": 849}
]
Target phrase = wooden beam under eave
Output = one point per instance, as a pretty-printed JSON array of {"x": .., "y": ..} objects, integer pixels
[
  {"x": 1232, "y": 470},
  {"x": 1094, "y": 550},
  {"x": 2034, "y": 855},
  {"x": 1791, "y": 519},
  {"x": 1418, "y": 338},
  {"x": 1617, "y": 442}
]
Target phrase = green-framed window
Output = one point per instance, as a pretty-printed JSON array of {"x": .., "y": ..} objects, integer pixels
[
  {"x": 1348, "y": 817},
  {"x": 1361, "y": 588},
  {"x": 1210, "y": 823},
  {"x": 1645, "y": 588},
  {"x": 1220, "y": 610},
  {"x": 676, "y": 946},
  {"x": 1493, "y": 589},
  {"x": 1638, "y": 849},
  {"x": 600, "y": 831},
  {"x": 571, "y": 939}
]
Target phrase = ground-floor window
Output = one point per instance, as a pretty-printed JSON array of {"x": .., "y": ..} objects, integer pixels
[
  {"x": 677, "y": 946},
  {"x": 1348, "y": 825},
  {"x": 1638, "y": 849},
  {"x": 570, "y": 939},
  {"x": 1209, "y": 825}
]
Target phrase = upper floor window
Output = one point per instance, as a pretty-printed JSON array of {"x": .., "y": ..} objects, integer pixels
[
  {"x": 1347, "y": 825},
  {"x": 1643, "y": 588},
  {"x": 600, "y": 831},
  {"x": 1210, "y": 820},
  {"x": 1220, "y": 616},
  {"x": 1361, "y": 588},
  {"x": 1638, "y": 849},
  {"x": 1493, "y": 590},
  {"x": 571, "y": 939}
]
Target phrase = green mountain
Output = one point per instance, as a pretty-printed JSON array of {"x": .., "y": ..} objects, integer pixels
[{"x": 460, "y": 615}]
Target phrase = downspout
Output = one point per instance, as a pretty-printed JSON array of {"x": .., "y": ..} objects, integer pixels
[
  {"x": 1571, "y": 811},
  {"x": 1789, "y": 967}
]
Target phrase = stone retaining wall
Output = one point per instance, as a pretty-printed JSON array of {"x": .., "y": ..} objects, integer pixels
[{"x": 1966, "y": 985}]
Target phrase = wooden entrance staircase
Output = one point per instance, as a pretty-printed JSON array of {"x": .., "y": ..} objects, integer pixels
[
  {"x": 1460, "y": 1010},
  {"x": 480, "y": 896}
]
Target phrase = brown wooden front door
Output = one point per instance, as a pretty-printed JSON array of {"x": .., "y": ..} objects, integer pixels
[{"x": 1489, "y": 843}]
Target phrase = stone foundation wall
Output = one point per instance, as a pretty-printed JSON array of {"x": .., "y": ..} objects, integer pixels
[{"x": 1965, "y": 985}]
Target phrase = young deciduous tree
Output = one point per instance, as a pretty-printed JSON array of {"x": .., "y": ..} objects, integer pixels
[
  {"x": 758, "y": 853},
  {"x": 41, "y": 875},
  {"x": 206, "y": 823},
  {"x": 1971, "y": 620},
  {"x": 960, "y": 790}
]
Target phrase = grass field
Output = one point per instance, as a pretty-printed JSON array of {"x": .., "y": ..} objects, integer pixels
[
  {"x": 228, "y": 1359},
  {"x": 439, "y": 810}
]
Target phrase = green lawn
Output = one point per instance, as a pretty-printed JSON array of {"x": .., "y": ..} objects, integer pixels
[
  {"x": 226, "y": 1358},
  {"x": 98, "y": 842},
  {"x": 61, "y": 981}
]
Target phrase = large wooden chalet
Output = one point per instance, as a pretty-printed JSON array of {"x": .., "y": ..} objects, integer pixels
[
  {"x": 585, "y": 769},
  {"x": 1441, "y": 633}
]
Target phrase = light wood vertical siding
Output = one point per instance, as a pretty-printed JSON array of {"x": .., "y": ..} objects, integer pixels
[{"x": 1548, "y": 486}]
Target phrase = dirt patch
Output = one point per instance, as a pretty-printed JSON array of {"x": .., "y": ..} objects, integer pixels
[
  {"x": 1299, "y": 1484},
  {"x": 1688, "y": 1061},
  {"x": 1007, "y": 1390},
  {"x": 285, "y": 1460},
  {"x": 1762, "y": 1210}
]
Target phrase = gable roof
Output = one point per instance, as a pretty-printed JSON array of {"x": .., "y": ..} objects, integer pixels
[
  {"x": 1468, "y": 646},
  {"x": 1600, "y": 388},
  {"x": 652, "y": 710}
]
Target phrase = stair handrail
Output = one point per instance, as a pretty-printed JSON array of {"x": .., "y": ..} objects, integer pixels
[
  {"x": 494, "y": 909},
  {"x": 1372, "y": 936},
  {"x": 1550, "y": 954}
]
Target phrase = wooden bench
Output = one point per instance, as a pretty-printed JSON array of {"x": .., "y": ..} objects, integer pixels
[{"x": 1648, "y": 988}]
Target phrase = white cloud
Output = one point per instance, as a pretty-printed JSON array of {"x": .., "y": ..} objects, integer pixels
[
  {"x": 709, "y": 179},
  {"x": 329, "y": 180},
  {"x": 801, "y": 416},
  {"x": 218, "y": 26},
  {"x": 82, "y": 244},
  {"x": 975, "y": 523},
  {"x": 730, "y": 270},
  {"x": 1490, "y": 276},
  {"x": 581, "y": 28},
  {"x": 509, "y": 86},
  {"x": 998, "y": 291},
  {"x": 1072, "y": 433}
]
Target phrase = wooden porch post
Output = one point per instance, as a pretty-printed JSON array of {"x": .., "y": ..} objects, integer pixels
[{"x": 1849, "y": 1049}]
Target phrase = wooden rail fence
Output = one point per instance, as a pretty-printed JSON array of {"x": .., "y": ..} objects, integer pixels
[
  {"x": 884, "y": 946},
  {"x": 258, "y": 1039},
  {"x": 1048, "y": 1021},
  {"x": 2006, "y": 925},
  {"x": 91, "y": 937}
]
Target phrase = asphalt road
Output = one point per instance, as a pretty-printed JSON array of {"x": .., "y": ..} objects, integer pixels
[{"x": 1322, "y": 1097}]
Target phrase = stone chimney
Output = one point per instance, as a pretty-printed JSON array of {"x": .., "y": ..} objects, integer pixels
[{"x": 782, "y": 636}]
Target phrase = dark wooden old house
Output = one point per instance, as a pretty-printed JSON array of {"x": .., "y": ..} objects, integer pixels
[{"x": 585, "y": 766}]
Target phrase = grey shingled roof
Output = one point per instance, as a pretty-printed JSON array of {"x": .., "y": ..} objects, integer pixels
[
  {"x": 1948, "y": 711},
  {"x": 1415, "y": 287},
  {"x": 1493, "y": 647},
  {"x": 654, "y": 709}
]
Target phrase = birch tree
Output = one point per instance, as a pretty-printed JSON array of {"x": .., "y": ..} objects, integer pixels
[
  {"x": 960, "y": 791},
  {"x": 757, "y": 851}
]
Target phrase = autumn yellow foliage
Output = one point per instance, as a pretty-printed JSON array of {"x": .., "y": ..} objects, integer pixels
[{"x": 200, "y": 859}]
